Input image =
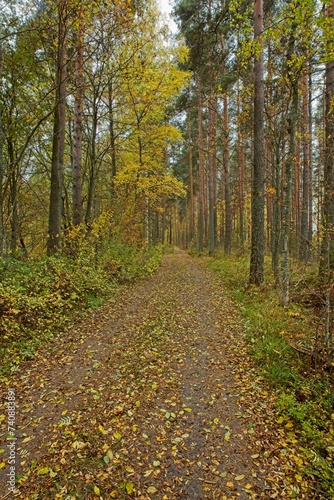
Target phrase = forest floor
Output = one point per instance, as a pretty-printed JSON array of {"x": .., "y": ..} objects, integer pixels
[{"x": 153, "y": 397}]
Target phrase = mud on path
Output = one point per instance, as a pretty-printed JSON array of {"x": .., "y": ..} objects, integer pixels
[{"x": 152, "y": 397}]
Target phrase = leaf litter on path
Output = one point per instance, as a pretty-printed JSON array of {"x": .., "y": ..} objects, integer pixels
[{"x": 152, "y": 397}]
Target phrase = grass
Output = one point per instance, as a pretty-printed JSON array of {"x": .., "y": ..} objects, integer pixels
[{"x": 304, "y": 394}]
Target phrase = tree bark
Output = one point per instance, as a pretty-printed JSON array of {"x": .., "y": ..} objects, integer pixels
[
  {"x": 2, "y": 166},
  {"x": 327, "y": 254},
  {"x": 304, "y": 244},
  {"x": 241, "y": 173},
  {"x": 200, "y": 236},
  {"x": 257, "y": 237},
  {"x": 327, "y": 247},
  {"x": 227, "y": 183},
  {"x": 287, "y": 189},
  {"x": 191, "y": 183},
  {"x": 58, "y": 144},
  {"x": 78, "y": 121},
  {"x": 13, "y": 192},
  {"x": 112, "y": 136},
  {"x": 93, "y": 166},
  {"x": 211, "y": 187}
]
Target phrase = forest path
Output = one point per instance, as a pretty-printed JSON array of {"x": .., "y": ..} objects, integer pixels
[{"x": 152, "y": 397}]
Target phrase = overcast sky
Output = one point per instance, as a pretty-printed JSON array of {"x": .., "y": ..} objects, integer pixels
[{"x": 166, "y": 8}]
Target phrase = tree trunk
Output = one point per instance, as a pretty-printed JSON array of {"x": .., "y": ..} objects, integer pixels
[
  {"x": 200, "y": 236},
  {"x": 304, "y": 244},
  {"x": 327, "y": 252},
  {"x": 2, "y": 168},
  {"x": 214, "y": 168},
  {"x": 58, "y": 144},
  {"x": 276, "y": 229},
  {"x": 241, "y": 174},
  {"x": 191, "y": 184},
  {"x": 327, "y": 246},
  {"x": 227, "y": 183},
  {"x": 257, "y": 237},
  {"x": 13, "y": 188},
  {"x": 287, "y": 188},
  {"x": 112, "y": 136},
  {"x": 93, "y": 167},
  {"x": 211, "y": 148},
  {"x": 78, "y": 120}
]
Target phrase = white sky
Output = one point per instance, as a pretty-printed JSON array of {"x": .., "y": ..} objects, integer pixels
[{"x": 166, "y": 9}]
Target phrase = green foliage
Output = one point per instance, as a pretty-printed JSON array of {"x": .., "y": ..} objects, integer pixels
[
  {"x": 303, "y": 396},
  {"x": 41, "y": 297}
]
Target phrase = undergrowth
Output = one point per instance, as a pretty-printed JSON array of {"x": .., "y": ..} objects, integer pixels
[
  {"x": 42, "y": 296},
  {"x": 305, "y": 395}
]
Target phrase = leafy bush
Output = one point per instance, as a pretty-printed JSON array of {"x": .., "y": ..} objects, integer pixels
[{"x": 40, "y": 297}]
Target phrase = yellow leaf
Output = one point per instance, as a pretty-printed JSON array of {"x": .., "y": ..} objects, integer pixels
[
  {"x": 151, "y": 489},
  {"x": 78, "y": 445},
  {"x": 239, "y": 478},
  {"x": 43, "y": 471},
  {"x": 230, "y": 484},
  {"x": 117, "y": 435},
  {"x": 2, "y": 465},
  {"x": 129, "y": 488},
  {"x": 248, "y": 486},
  {"x": 97, "y": 490}
]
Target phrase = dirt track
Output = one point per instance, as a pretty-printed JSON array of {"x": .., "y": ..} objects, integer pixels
[{"x": 152, "y": 397}]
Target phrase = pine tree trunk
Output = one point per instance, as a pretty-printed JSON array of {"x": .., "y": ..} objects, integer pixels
[
  {"x": 296, "y": 216},
  {"x": 227, "y": 177},
  {"x": 214, "y": 169},
  {"x": 211, "y": 141},
  {"x": 327, "y": 246},
  {"x": 327, "y": 251},
  {"x": 191, "y": 183},
  {"x": 257, "y": 237},
  {"x": 310, "y": 203},
  {"x": 241, "y": 175},
  {"x": 200, "y": 235}
]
